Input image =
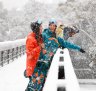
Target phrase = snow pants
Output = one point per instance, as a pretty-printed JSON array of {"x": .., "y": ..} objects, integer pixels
[{"x": 39, "y": 75}]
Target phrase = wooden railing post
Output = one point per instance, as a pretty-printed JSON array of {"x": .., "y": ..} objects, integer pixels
[
  {"x": 13, "y": 54},
  {"x": 2, "y": 52},
  {"x": 23, "y": 49},
  {"x": 20, "y": 50},
  {"x": 8, "y": 51},
  {"x": 16, "y": 52}
]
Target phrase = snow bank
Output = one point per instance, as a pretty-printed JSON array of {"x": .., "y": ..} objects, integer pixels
[{"x": 11, "y": 44}]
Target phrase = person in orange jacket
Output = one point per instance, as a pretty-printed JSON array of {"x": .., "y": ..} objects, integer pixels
[{"x": 34, "y": 43}]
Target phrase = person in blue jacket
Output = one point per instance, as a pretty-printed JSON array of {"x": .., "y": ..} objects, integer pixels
[{"x": 52, "y": 43}]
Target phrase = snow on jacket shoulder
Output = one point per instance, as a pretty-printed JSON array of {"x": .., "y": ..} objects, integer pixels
[{"x": 33, "y": 52}]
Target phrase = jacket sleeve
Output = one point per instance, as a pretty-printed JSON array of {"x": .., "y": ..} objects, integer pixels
[
  {"x": 31, "y": 48},
  {"x": 45, "y": 37},
  {"x": 67, "y": 44}
]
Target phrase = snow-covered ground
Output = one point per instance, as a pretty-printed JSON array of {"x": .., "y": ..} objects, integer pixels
[
  {"x": 12, "y": 79},
  {"x": 11, "y": 76}
]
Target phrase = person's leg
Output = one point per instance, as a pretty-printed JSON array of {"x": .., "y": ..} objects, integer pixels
[{"x": 38, "y": 78}]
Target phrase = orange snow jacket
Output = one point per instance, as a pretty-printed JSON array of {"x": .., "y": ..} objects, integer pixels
[{"x": 33, "y": 52}]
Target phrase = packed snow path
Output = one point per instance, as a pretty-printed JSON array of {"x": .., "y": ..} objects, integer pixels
[{"x": 11, "y": 76}]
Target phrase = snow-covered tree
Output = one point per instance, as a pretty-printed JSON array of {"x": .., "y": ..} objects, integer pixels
[
  {"x": 3, "y": 23},
  {"x": 81, "y": 13}
]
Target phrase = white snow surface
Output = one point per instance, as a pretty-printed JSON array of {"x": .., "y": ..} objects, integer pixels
[
  {"x": 12, "y": 79},
  {"x": 11, "y": 76},
  {"x": 11, "y": 44}
]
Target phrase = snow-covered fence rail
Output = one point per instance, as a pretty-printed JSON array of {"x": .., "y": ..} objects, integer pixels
[
  {"x": 11, "y": 50},
  {"x": 61, "y": 75}
]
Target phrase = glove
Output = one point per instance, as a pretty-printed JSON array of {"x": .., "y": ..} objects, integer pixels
[
  {"x": 81, "y": 50},
  {"x": 61, "y": 47},
  {"x": 29, "y": 78},
  {"x": 26, "y": 75}
]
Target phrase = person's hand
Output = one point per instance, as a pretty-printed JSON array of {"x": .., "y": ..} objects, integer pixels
[
  {"x": 82, "y": 50},
  {"x": 51, "y": 38},
  {"x": 51, "y": 54},
  {"x": 54, "y": 39},
  {"x": 44, "y": 51},
  {"x": 42, "y": 45}
]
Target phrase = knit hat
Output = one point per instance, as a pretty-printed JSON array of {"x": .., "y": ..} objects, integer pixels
[{"x": 53, "y": 21}]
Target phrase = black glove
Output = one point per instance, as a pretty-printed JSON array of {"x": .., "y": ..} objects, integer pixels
[
  {"x": 81, "y": 50},
  {"x": 61, "y": 47},
  {"x": 26, "y": 75},
  {"x": 29, "y": 77}
]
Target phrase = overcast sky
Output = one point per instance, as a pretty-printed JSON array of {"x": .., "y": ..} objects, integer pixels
[{"x": 9, "y": 4}]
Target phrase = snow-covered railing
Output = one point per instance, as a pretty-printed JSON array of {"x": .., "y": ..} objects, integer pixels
[
  {"x": 10, "y": 50},
  {"x": 61, "y": 75}
]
